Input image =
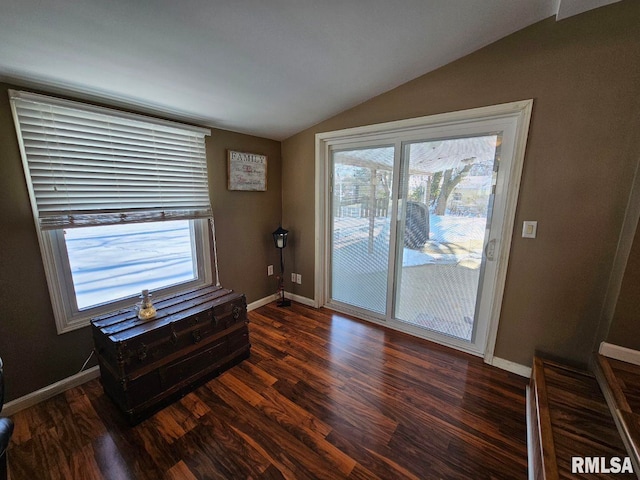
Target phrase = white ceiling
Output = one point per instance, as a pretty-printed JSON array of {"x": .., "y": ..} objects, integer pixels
[{"x": 265, "y": 67}]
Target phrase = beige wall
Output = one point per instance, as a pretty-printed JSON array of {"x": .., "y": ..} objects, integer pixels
[
  {"x": 34, "y": 355},
  {"x": 244, "y": 220},
  {"x": 584, "y": 76}
]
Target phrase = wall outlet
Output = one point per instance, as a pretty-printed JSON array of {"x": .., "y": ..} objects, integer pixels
[
  {"x": 298, "y": 279},
  {"x": 293, "y": 277},
  {"x": 270, "y": 270}
]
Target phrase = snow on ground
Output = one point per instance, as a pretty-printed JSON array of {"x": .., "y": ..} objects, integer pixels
[
  {"x": 110, "y": 263},
  {"x": 441, "y": 296},
  {"x": 352, "y": 234},
  {"x": 448, "y": 229},
  {"x": 119, "y": 261}
]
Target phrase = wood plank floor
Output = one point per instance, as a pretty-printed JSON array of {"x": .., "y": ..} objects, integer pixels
[
  {"x": 628, "y": 377},
  {"x": 323, "y": 396},
  {"x": 581, "y": 422}
]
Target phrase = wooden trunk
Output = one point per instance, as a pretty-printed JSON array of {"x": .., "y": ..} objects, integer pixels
[{"x": 146, "y": 364}]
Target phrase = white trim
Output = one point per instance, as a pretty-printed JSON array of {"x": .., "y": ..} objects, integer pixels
[
  {"x": 617, "y": 352},
  {"x": 524, "y": 109},
  {"x": 61, "y": 288},
  {"x": 300, "y": 299},
  {"x": 520, "y": 111},
  {"x": 322, "y": 149},
  {"x": 33, "y": 398},
  {"x": 530, "y": 460},
  {"x": 460, "y": 116},
  {"x": 512, "y": 367},
  {"x": 262, "y": 302},
  {"x": 272, "y": 298}
]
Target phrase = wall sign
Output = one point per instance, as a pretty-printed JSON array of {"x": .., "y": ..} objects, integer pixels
[{"x": 247, "y": 171}]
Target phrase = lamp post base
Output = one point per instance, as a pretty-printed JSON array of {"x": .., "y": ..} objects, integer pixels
[{"x": 284, "y": 302}]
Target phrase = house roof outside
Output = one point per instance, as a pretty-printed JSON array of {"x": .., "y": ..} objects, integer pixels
[{"x": 427, "y": 158}]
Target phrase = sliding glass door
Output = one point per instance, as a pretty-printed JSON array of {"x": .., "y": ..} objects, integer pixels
[
  {"x": 446, "y": 191},
  {"x": 361, "y": 226},
  {"x": 418, "y": 221}
]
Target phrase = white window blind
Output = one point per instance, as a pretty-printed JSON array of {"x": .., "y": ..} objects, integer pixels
[{"x": 96, "y": 166}]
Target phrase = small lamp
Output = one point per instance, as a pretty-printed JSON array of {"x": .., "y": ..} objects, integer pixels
[{"x": 280, "y": 241}]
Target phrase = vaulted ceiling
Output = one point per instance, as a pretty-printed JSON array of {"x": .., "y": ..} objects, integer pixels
[{"x": 268, "y": 68}]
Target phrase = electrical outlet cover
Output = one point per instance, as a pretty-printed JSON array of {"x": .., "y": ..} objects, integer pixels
[{"x": 529, "y": 229}]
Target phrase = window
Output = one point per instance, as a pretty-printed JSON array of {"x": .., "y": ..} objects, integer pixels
[{"x": 120, "y": 202}]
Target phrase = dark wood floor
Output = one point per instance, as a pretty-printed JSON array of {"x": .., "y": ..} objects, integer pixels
[
  {"x": 581, "y": 422},
  {"x": 322, "y": 396},
  {"x": 628, "y": 378}
]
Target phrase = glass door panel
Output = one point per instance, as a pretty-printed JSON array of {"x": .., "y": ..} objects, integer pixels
[
  {"x": 417, "y": 219},
  {"x": 446, "y": 192},
  {"x": 360, "y": 227}
]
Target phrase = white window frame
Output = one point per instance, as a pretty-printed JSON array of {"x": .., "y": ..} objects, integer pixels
[
  {"x": 68, "y": 316},
  {"x": 60, "y": 281}
]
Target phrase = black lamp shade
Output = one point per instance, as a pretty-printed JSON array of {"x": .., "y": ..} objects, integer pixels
[{"x": 280, "y": 237}]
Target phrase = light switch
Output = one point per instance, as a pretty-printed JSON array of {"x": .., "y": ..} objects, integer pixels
[{"x": 529, "y": 229}]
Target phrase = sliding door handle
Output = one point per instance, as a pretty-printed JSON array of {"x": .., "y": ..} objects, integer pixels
[{"x": 490, "y": 250}]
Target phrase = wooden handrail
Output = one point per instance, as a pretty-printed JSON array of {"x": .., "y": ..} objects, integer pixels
[{"x": 549, "y": 466}]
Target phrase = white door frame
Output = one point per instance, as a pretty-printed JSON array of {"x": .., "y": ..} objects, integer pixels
[{"x": 518, "y": 112}]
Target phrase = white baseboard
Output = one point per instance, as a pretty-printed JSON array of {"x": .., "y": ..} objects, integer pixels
[
  {"x": 511, "y": 367},
  {"x": 262, "y": 302},
  {"x": 620, "y": 353},
  {"x": 300, "y": 299},
  {"x": 49, "y": 391},
  {"x": 272, "y": 298}
]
